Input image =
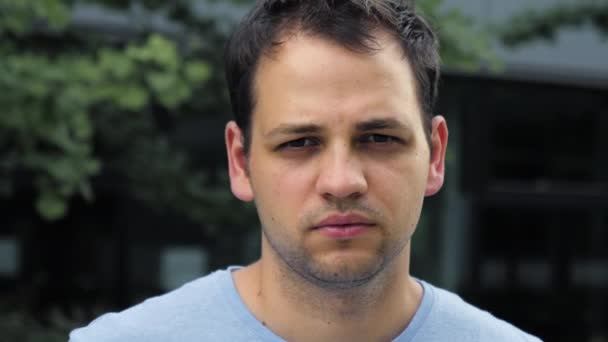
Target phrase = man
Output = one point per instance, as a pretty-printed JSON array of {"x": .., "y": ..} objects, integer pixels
[{"x": 335, "y": 141}]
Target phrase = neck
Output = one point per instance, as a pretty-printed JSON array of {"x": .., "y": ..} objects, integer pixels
[{"x": 293, "y": 307}]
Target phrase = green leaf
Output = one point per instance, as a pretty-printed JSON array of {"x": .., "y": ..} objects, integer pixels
[
  {"x": 83, "y": 69},
  {"x": 54, "y": 11},
  {"x": 165, "y": 51},
  {"x": 81, "y": 126},
  {"x": 86, "y": 191},
  {"x": 115, "y": 63},
  {"x": 197, "y": 72},
  {"x": 63, "y": 170},
  {"x": 529, "y": 24},
  {"x": 92, "y": 166},
  {"x": 131, "y": 97},
  {"x": 51, "y": 206},
  {"x": 161, "y": 82},
  {"x": 174, "y": 96}
]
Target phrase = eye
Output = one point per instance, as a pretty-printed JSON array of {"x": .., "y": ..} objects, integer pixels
[
  {"x": 299, "y": 143},
  {"x": 379, "y": 139}
]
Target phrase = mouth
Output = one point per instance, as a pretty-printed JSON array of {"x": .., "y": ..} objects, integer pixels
[{"x": 344, "y": 226}]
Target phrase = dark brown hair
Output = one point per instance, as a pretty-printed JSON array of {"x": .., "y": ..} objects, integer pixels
[{"x": 350, "y": 23}]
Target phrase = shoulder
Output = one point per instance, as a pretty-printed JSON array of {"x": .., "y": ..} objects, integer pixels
[
  {"x": 170, "y": 317},
  {"x": 465, "y": 322}
]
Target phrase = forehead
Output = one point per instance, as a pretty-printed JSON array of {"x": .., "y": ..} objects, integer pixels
[{"x": 311, "y": 78}]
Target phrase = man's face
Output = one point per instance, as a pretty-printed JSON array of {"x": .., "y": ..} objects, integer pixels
[{"x": 338, "y": 163}]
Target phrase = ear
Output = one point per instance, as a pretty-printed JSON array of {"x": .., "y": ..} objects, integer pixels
[
  {"x": 237, "y": 163},
  {"x": 439, "y": 143}
]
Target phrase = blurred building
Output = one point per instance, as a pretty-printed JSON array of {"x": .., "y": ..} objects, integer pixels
[{"x": 525, "y": 227}]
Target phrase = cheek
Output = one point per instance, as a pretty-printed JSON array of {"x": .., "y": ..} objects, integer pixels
[
  {"x": 289, "y": 182},
  {"x": 282, "y": 188},
  {"x": 400, "y": 188}
]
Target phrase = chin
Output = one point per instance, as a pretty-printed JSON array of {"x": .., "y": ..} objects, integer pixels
[{"x": 342, "y": 269}]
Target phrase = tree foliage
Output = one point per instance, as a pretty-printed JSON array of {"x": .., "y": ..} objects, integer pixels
[
  {"x": 530, "y": 24},
  {"x": 58, "y": 87},
  {"x": 463, "y": 46}
]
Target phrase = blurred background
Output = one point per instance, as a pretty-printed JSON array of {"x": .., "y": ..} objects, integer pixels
[{"x": 113, "y": 184}]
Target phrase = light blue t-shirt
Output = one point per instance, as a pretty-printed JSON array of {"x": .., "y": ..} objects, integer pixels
[{"x": 210, "y": 309}]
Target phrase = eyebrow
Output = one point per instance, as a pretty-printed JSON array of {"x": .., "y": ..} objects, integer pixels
[
  {"x": 289, "y": 129},
  {"x": 365, "y": 126},
  {"x": 381, "y": 123}
]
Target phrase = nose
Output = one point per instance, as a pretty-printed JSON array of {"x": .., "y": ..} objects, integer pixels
[{"x": 341, "y": 175}]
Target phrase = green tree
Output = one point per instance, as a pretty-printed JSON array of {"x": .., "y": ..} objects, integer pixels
[
  {"x": 69, "y": 96},
  {"x": 463, "y": 45},
  {"x": 532, "y": 24}
]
